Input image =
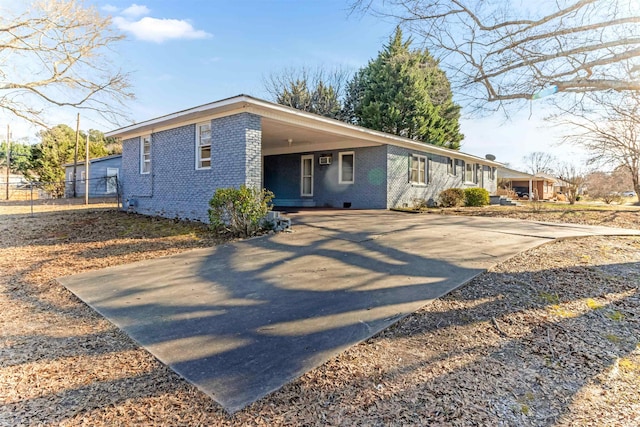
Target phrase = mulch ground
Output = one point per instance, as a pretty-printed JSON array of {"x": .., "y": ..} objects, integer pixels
[{"x": 549, "y": 337}]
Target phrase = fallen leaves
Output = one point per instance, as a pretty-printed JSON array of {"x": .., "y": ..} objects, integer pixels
[{"x": 499, "y": 351}]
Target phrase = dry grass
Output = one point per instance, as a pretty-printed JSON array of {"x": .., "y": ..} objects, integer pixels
[
  {"x": 550, "y": 337},
  {"x": 611, "y": 216}
]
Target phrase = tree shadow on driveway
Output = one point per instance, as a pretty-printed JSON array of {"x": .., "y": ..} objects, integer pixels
[{"x": 240, "y": 320}]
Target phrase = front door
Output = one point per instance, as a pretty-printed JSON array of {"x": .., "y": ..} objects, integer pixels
[{"x": 306, "y": 175}]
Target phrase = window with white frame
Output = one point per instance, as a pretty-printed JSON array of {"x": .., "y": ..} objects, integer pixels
[
  {"x": 203, "y": 145},
  {"x": 459, "y": 167},
  {"x": 82, "y": 177},
  {"x": 479, "y": 178},
  {"x": 346, "y": 166},
  {"x": 468, "y": 172},
  {"x": 418, "y": 169},
  {"x": 145, "y": 154},
  {"x": 451, "y": 166}
]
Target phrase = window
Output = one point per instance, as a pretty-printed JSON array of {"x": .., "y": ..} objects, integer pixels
[
  {"x": 493, "y": 174},
  {"x": 451, "y": 166},
  {"x": 468, "y": 172},
  {"x": 70, "y": 177},
  {"x": 82, "y": 177},
  {"x": 145, "y": 154},
  {"x": 306, "y": 174},
  {"x": 479, "y": 178},
  {"x": 418, "y": 169},
  {"x": 203, "y": 146},
  {"x": 112, "y": 180},
  {"x": 346, "y": 166},
  {"x": 459, "y": 167}
]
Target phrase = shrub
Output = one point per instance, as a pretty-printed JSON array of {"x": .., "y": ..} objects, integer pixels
[
  {"x": 451, "y": 197},
  {"x": 476, "y": 196},
  {"x": 239, "y": 211}
]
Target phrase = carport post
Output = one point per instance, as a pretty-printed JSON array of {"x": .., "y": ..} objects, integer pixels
[{"x": 530, "y": 189}]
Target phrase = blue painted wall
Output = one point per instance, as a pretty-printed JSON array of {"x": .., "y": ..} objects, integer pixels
[
  {"x": 97, "y": 177},
  {"x": 175, "y": 188},
  {"x": 402, "y": 193},
  {"x": 282, "y": 176}
]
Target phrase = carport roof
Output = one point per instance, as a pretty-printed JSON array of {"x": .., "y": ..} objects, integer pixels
[
  {"x": 507, "y": 173},
  {"x": 282, "y": 123}
]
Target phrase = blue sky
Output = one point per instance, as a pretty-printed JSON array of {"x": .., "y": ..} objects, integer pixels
[{"x": 186, "y": 53}]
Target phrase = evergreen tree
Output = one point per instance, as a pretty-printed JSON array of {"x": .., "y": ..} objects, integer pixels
[{"x": 404, "y": 92}]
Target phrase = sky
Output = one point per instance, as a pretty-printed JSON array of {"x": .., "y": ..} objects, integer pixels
[{"x": 186, "y": 53}]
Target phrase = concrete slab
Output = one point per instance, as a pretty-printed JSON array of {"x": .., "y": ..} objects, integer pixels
[{"x": 243, "y": 319}]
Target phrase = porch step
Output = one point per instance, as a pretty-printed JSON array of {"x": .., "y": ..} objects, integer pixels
[
  {"x": 503, "y": 201},
  {"x": 294, "y": 203}
]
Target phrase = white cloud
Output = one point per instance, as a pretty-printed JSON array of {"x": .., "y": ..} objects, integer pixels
[
  {"x": 109, "y": 8},
  {"x": 136, "y": 10},
  {"x": 160, "y": 30}
]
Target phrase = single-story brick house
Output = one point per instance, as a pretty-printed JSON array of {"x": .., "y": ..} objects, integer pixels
[
  {"x": 540, "y": 185},
  {"x": 172, "y": 165},
  {"x": 104, "y": 173}
]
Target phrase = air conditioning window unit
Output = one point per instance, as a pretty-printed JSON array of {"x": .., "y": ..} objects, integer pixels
[{"x": 324, "y": 160}]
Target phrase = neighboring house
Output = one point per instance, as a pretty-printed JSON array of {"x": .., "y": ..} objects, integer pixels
[
  {"x": 172, "y": 165},
  {"x": 104, "y": 173},
  {"x": 539, "y": 185},
  {"x": 15, "y": 179}
]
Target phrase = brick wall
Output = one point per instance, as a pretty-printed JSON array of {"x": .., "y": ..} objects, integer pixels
[
  {"x": 402, "y": 193},
  {"x": 175, "y": 188}
]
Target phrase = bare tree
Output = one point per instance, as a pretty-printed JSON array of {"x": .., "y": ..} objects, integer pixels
[
  {"x": 316, "y": 90},
  {"x": 500, "y": 51},
  {"x": 572, "y": 180},
  {"x": 56, "y": 54},
  {"x": 605, "y": 186},
  {"x": 610, "y": 132},
  {"x": 540, "y": 162}
]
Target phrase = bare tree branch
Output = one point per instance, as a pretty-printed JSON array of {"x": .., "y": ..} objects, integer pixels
[
  {"x": 64, "y": 46},
  {"x": 508, "y": 51},
  {"x": 609, "y": 131}
]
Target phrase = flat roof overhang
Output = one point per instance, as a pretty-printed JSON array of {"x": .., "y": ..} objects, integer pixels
[{"x": 307, "y": 131}]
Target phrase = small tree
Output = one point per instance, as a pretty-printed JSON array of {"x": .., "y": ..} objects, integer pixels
[
  {"x": 572, "y": 179},
  {"x": 604, "y": 186},
  {"x": 239, "y": 211}
]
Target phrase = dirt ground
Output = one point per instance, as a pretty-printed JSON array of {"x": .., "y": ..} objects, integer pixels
[{"x": 550, "y": 337}]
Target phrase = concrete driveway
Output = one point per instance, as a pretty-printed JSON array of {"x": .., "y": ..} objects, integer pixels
[{"x": 243, "y": 319}]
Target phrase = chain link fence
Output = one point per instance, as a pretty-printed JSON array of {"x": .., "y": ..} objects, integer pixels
[{"x": 41, "y": 196}]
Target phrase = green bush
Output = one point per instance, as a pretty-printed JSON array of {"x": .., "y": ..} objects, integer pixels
[
  {"x": 476, "y": 196},
  {"x": 451, "y": 197},
  {"x": 239, "y": 211}
]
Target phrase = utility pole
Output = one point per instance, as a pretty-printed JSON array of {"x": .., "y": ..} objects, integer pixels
[
  {"x": 86, "y": 172},
  {"x": 75, "y": 156},
  {"x": 8, "y": 158}
]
